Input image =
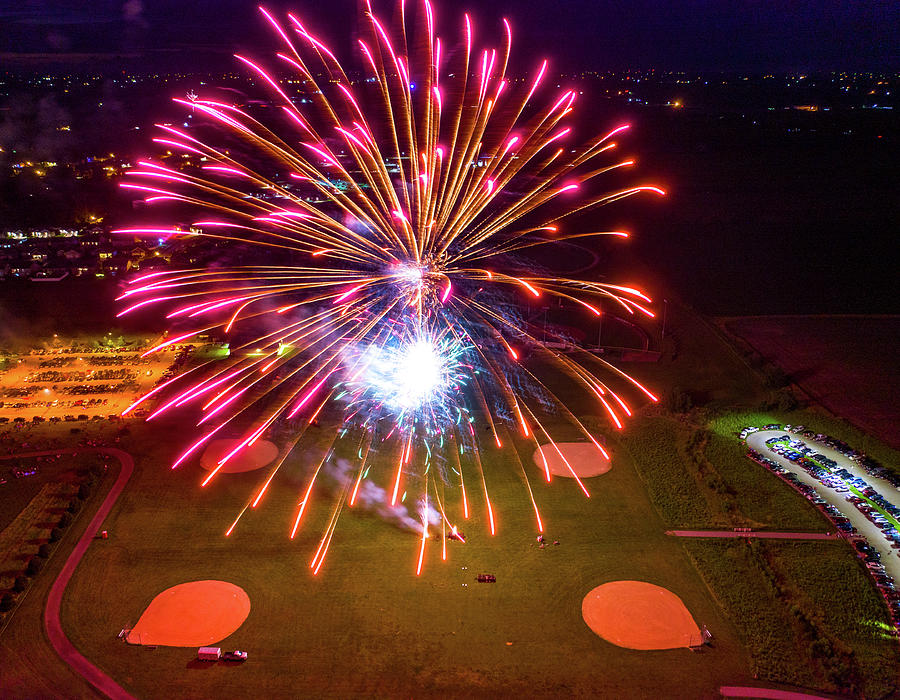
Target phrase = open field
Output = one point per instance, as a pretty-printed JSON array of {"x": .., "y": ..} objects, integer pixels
[
  {"x": 806, "y": 611},
  {"x": 31, "y": 668},
  {"x": 844, "y": 362},
  {"x": 366, "y": 625}
]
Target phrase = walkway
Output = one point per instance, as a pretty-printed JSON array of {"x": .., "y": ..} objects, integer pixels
[
  {"x": 52, "y": 624},
  {"x": 731, "y": 691},
  {"x": 756, "y": 533}
]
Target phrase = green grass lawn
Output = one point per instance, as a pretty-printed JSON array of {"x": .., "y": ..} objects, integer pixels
[{"x": 367, "y": 625}]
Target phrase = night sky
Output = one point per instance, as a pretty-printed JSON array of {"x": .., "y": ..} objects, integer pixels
[{"x": 739, "y": 35}]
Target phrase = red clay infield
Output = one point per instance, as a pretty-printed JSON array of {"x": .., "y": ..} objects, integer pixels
[
  {"x": 584, "y": 458},
  {"x": 255, "y": 456},
  {"x": 192, "y": 615},
  {"x": 639, "y": 615}
]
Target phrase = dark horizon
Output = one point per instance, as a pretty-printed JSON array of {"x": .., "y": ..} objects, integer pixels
[{"x": 704, "y": 35}]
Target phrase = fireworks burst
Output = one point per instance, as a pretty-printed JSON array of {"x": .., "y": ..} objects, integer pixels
[{"x": 379, "y": 220}]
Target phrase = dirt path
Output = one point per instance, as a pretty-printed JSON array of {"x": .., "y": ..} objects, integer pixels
[
  {"x": 754, "y": 533},
  {"x": 52, "y": 624}
]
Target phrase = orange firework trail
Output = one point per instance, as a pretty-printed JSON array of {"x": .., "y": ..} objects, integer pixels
[{"x": 378, "y": 218}]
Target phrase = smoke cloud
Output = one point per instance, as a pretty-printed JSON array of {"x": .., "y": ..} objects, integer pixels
[{"x": 374, "y": 499}]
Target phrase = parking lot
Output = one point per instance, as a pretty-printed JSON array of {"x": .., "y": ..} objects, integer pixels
[
  {"x": 76, "y": 383},
  {"x": 862, "y": 502}
]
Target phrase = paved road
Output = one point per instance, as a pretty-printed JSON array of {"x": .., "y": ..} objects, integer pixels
[
  {"x": 889, "y": 557},
  {"x": 731, "y": 691},
  {"x": 52, "y": 625},
  {"x": 756, "y": 533}
]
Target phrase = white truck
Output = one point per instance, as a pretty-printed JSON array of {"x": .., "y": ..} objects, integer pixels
[{"x": 209, "y": 653}]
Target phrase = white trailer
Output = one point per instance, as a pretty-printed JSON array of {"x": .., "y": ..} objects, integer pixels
[{"x": 209, "y": 653}]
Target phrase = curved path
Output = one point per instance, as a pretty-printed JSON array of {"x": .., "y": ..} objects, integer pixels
[
  {"x": 52, "y": 624},
  {"x": 889, "y": 558}
]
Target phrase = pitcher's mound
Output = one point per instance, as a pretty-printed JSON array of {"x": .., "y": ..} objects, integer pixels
[
  {"x": 584, "y": 458},
  {"x": 639, "y": 615},
  {"x": 255, "y": 456},
  {"x": 192, "y": 614}
]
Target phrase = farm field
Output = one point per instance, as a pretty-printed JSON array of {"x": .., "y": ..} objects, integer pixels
[{"x": 843, "y": 362}]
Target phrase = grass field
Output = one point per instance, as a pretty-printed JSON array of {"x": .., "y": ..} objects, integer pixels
[
  {"x": 806, "y": 610},
  {"x": 367, "y": 626},
  {"x": 31, "y": 669}
]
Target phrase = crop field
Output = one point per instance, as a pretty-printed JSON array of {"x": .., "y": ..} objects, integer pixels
[{"x": 843, "y": 362}]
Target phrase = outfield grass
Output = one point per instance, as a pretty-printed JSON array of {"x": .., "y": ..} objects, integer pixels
[{"x": 366, "y": 625}]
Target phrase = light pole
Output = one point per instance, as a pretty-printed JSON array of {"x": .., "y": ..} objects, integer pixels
[{"x": 662, "y": 334}]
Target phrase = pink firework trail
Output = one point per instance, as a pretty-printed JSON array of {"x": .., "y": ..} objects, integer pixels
[{"x": 383, "y": 262}]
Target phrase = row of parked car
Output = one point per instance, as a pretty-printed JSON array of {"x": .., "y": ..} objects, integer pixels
[
  {"x": 871, "y": 466},
  {"x": 816, "y": 464},
  {"x": 59, "y": 419},
  {"x": 829, "y": 473}
]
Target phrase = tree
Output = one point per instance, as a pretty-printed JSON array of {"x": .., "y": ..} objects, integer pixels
[
  {"x": 786, "y": 400},
  {"x": 679, "y": 401},
  {"x": 20, "y": 583},
  {"x": 775, "y": 378},
  {"x": 35, "y": 564},
  {"x": 7, "y": 602}
]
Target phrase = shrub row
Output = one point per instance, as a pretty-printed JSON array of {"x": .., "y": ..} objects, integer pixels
[
  {"x": 657, "y": 447},
  {"x": 34, "y": 566},
  {"x": 836, "y": 659}
]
